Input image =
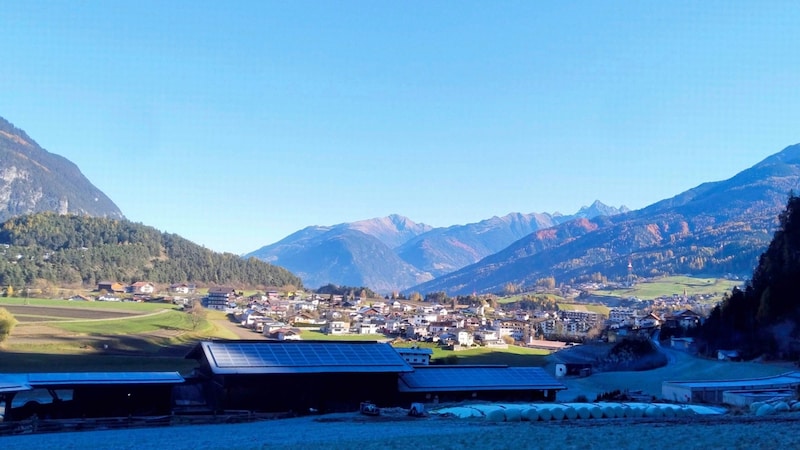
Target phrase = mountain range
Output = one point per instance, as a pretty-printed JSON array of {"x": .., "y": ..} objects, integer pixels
[
  {"x": 34, "y": 180},
  {"x": 393, "y": 253},
  {"x": 717, "y": 228}
]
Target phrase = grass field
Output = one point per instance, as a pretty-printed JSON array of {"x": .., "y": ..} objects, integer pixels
[
  {"x": 668, "y": 286},
  {"x": 584, "y": 307},
  {"x": 123, "y": 306}
]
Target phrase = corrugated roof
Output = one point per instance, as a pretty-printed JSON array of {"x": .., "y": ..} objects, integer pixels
[
  {"x": 13, "y": 383},
  {"x": 79, "y": 378},
  {"x": 789, "y": 378},
  {"x": 275, "y": 357},
  {"x": 476, "y": 378}
]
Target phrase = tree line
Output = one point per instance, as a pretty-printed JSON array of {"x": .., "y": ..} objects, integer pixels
[
  {"x": 764, "y": 317},
  {"x": 71, "y": 250}
]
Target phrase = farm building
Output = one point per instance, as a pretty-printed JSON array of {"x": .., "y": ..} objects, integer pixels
[
  {"x": 454, "y": 383},
  {"x": 712, "y": 391},
  {"x": 87, "y": 394},
  {"x": 297, "y": 376}
]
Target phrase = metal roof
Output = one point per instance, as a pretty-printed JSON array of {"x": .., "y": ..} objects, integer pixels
[
  {"x": 789, "y": 378},
  {"x": 477, "y": 378},
  {"x": 13, "y": 383},
  {"x": 277, "y": 357},
  {"x": 84, "y": 378}
]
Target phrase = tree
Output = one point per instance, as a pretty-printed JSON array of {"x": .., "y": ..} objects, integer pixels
[
  {"x": 197, "y": 314},
  {"x": 7, "y": 323}
]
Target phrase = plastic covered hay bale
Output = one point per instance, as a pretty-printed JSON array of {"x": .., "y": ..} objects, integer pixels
[
  {"x": 755, "y": 406},
  {"x": 513, "y": 415},
  {"x": 545, "y": 415},
  {"x": 558, "y": 413},
  {"x": 497, "y": 415},
  {"x": 583, "y": 412},
  {"x": 596, "y": 412},
  {"x": 796, "y": 407},
  {"x": 608, "y": 411},
  {"x": 530, "y": 414},
  {"x": 653, "y": 411},
  {"x": 765, "y": 410},
  {"x": 570, "y": 413},
  {"x": 619, "y": 412},
  {"x": 668, "y": 411},
  {"x": 782, "y": 407},
  {"x": 635, "y": 412}
]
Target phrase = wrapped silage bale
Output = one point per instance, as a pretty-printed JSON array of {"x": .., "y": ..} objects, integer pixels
[
  {"x": 570, "y": 413},
  {"x": 796, "y": 406},
  {"x": 635, "y": 411},
  {"x": 583, "y": 412},
  {"x": 608, "y": 411},
  {"x": 530, "y": 414},
  {"x": 782, "y": 407},
  {"x": 557, "y": 412},
  {"x": 765, "y": 410},
  {"x": 545, "y": 414},
  {"x": 668, "y": 411},
  {"x": 513, "y": 415},
  {"x": 496, "y": 415},
  {"x": 653, "y": 411},
  {"x": 755, "y": 406},
  {"x": 619, "y": 411},
  {"x": 596, "y": 412}
]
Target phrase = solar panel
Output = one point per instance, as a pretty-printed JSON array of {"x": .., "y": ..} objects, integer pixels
[
  {"x": 477, "y": 378},
  {"x": 288, "y": 357}
]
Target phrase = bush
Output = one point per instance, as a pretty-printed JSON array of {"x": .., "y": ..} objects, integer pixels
[{"x": 7, "y": 322}]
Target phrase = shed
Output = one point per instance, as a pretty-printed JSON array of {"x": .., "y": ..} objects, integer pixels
[
  {"x": 455, "y": 383},
  {"x": 711, "y": 391},
  {"x": 298, "y": 376},
  {"x": 93, "y": 394}
]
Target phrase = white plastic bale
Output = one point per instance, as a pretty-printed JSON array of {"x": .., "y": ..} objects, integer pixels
[
  {"x": 583, "y": 412},
  {"x": 530, "y": 414},
  {"x": 668, "y": 411},
  {"x": 653, "y": 411},
  {"x": 782, "y": 407},
  {"x": 596, "y": 412},
  {"x": 765, "y": 410},
  {"x": 545, "y": 415},
  {"x": 619, "y": 412},
  {"x": 755, "y": 406},
  {"x": 608, "y": 412},
  {"x": 796, "y": 407},
  {"x": 636, "y": 411},
  {"x": 558, "y": 413},
  {"x": 497, "y": 415},
  {"x": 570, "y": 413},
  {"x": 513, "y": 415}
]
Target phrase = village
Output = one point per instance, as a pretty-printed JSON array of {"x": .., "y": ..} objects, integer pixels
[{"x": 488, "y": 321}]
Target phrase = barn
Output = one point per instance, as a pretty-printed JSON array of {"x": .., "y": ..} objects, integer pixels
[
  {"x": 493, "y": 383},
  {"x": 708, "y": 391},
  {"x": 88, "y": 394},
  {"x": 297, "y": 376}
]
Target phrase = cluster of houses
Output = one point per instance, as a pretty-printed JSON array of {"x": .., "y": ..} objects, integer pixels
[{"x": 453, "y": 326}]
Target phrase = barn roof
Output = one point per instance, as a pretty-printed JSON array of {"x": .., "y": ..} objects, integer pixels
[
  {"x": 476, "y": 378},
  {"x": 788, "y": 378},
  {"x": 93, "y": 378},
  {"x": 13, "y": 383},
  {"x": 287, "y": 357}
]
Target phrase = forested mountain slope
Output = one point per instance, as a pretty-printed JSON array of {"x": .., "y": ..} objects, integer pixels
[{"x": 49, "y": 248}]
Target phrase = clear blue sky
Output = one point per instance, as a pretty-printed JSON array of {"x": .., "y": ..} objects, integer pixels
[{"x": 236, "y": 124}]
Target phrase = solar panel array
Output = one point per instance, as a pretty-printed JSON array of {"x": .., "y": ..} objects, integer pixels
[
  {"x": 476, "y": 378},
  {"x": 304, "y": 356}
]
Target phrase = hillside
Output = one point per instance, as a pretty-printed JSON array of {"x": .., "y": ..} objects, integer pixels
[
  {"x": 714, "y": 229},
  {"x": 48, "y": 249},
  {"x": 33, "y": 180}
]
